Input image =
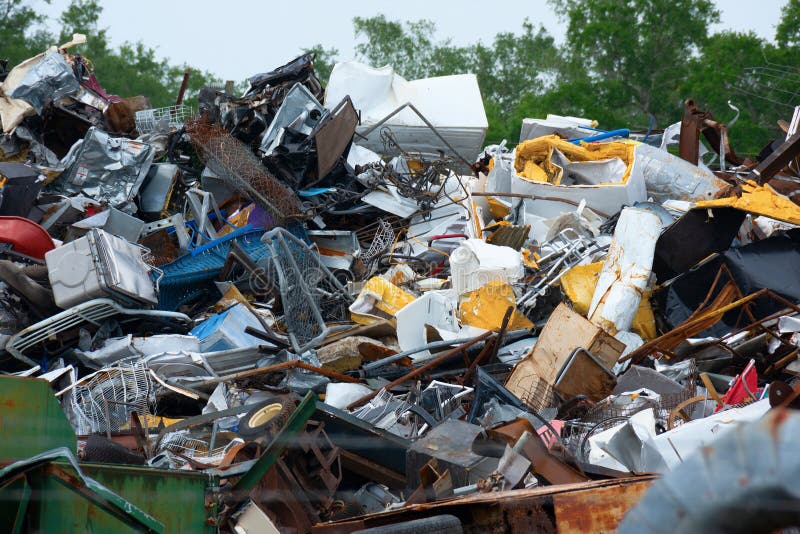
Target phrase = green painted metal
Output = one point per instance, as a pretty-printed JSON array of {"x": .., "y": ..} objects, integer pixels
[
  {"x": 176, "y": 498},
  {"x": 31, "y": 419},
  {"x": 154, "y": 500},
  {"x": 32, "y": 422},
  {"x": 296, "y": 423},
  {"x": 60, "y": 466}
]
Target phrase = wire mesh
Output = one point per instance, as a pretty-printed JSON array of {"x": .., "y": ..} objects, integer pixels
[
  {"x": 105, "y": 401},
  {"x": 191, "y": 447},
  {"x": 384, "y": 237},
  {"x": 233, "y": 162},
  {"x": 159, "y": 119},
  {"x": 616, "y": 410},
  {"x": 311, "y": 295},
  {"x": 539, "y": 394}
]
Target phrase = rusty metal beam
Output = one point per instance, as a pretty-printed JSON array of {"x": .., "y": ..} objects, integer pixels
[
  {"x": 523, "y": 510},
  {"x": 689, "y": 145},
  {"x": 778, "y": 160}
]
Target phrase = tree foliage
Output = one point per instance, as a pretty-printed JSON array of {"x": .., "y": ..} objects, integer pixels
[
  {"x": 130, "y": 69},
  {"x": 636, "y": 52},
  {"x": 324, "y": 60},
  {"x": 625, "y": 63},
  {"x": 21, "y": 29}
]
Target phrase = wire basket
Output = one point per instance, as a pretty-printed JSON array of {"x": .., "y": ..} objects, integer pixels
[
  {"x": 311, "y": 295},
  {"x": 161, "y": 119},
  {"x": 104, "y": 402},
  {"x": 609, "y": 413},
  {"x": 191, "y": 447},
  {"x": 539, "y": 394}
]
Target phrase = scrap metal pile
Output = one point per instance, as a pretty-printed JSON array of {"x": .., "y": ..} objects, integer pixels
[{"x": 482, "y": 338}]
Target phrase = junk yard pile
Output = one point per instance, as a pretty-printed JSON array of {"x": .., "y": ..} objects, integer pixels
[{"x": 333, "y": 309}]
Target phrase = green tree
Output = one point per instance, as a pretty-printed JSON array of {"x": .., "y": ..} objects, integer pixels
[
  {"x": 409, "y": 48},
  {"x": 787, "y": 33},
  {"x": 133, "y": 68},
  {"x": 324, "y": 60},
  {"x": 22, "y": 33},
  {"x": 721, "y": 72},
  {"x": 635, "y": 52}
]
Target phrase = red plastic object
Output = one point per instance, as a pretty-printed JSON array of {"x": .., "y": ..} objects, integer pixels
[
  {"x": 25, "y": 236},
  {"x": 743, "y": 386}
]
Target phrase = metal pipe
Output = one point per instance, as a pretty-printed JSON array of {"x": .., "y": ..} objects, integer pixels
[
  {"x": 377, "y": 364},
  {"x": 419, "y": 370},
  {"x": 278, "y": 367}
]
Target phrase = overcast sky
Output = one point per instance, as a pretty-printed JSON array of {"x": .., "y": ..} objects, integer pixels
[{"x": 235, "y": 39}]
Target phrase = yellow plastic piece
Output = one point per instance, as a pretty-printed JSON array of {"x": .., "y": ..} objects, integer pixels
[
  {"x": 238, "y": 220},
  {"x": 533, "y": 156},
  {"x": 578, "y": 284},
  {"x": 383, "y": 296},
  {"x": 486, "y": 306},
  {"x": 761, "y": 200},
  {"x": 530, "y": 258},
  {"x": 497, "y": 208}
]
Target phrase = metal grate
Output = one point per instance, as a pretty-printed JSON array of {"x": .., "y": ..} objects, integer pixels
[
  {"x": 384, "y": 237},
  {"x": 191, "y": 447},
  {"x": 162, "y": 119},
  {"x": 539, "y": 394},
  {"x": 104, "y": 402}
]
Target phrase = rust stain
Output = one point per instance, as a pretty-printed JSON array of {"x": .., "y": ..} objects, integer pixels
[
  {"x": 776, "y": 421},
  {"x": 600, "y": 510}
]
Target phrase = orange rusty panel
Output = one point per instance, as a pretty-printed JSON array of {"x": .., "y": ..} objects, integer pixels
[{"x": 596, "y": 510}]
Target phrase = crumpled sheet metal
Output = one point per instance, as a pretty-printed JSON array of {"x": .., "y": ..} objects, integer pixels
[
  {"x": 14, "y": 110},
  {"x": 47, "y": 80},
  {"x": 106, "y": 168},
  {"x": 670, "y": 178},
  {"x": 748, "y": 481},
  {"x": 299, "y": 111}
]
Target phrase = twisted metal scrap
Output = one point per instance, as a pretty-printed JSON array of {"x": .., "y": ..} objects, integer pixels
[{"x": 233, "y": 162}]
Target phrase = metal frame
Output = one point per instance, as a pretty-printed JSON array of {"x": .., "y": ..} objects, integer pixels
[
  {"x": 292, "y": 279},
  {"x": 93, "y": 311},
  {"x": 568, "y": 251},
  {"x": 428, "y": 123}
]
